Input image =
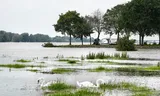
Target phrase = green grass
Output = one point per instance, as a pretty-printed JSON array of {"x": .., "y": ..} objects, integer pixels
[
  {"x": 33, "y": 70},
  {"x": 62, "y": 70},
  {"x": 19, "y": 65},
  {"x": 68, "y": 61},
  {"x": 22, "y": 60},
  {"x": 82, "y": 92},
  {"x": 102, "y": 55},
  {"x": 100, "y": 69},
  {"x": 128, "y": 86},
  {"x": 140, "y": 71},
  {"x": 59, "y": 86}
]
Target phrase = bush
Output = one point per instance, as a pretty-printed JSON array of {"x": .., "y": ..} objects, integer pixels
[
  {"x": 124, "y": 44},
  {"x": 48, "y": 44}
]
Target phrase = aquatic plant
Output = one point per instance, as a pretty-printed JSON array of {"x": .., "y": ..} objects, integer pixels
[
  {"x": 72, "y": 61},
  {"x": 62, "y": 70},
  {"x": 19, "y": 65},
  {"x": 102, "y": 55},
  {"x": 81, "y": 92},
  {"x": 22, "y": 60},
  {"x": 59, "y": 86},
  {"x": 82, "y": 57},
  {"x": 127, "y": 86},
  {"x": 158, "y": 65},
  {"x": 91, "y": 56},
  {"x": 68, "y": 61},
  {"x": 100, "y": 69},
  {"x": 33, "y": 70}
]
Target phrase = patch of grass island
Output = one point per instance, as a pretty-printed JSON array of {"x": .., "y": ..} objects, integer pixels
[
  {"x": 62, "y": 70},
  {"x": 22, "y": 61},
  {"x": 19, "y": 65}
]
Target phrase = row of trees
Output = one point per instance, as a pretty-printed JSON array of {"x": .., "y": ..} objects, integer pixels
[
  {"x": 25, "y": 37},
  {"x": 138, "y": 17}
]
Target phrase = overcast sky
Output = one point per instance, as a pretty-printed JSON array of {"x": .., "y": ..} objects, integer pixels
[{"x": 38, "y": 16}]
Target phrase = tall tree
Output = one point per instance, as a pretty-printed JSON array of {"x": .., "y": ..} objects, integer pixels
[
  {"x": 67, "y": 22},
  {"x": 139, "y": 16},
  {"x": 82, "y": 29},
  {"x": 111, "y": 19},
  {"x": 98, "y": 23}
]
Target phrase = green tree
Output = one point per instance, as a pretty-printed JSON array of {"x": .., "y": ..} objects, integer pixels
[
  {"x": 67, "y": 22},
  {"x": 82, "y": 29},
  {"x": 111, "y": 19},
  {"x": 97, "y": 23},
  {"x": 139, "y": 17}
]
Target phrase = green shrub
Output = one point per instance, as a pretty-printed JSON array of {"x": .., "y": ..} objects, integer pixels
[
  {"x": 124, "y": 44},
  {"x": 48, "y": 44}
]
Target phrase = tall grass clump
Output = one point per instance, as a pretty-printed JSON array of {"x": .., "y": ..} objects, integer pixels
[
  {"x": 124, "y": 55},
  {"x": 100, "y": 55},
  {"x": 91, "y": 56},
  {"x": 72, "y": 61},
  {"x": 124, "y": 44},
  {"x": 82, "y": 57},
  {"x": 59, "y": 86},
  {"x": 158, "y": 65}
]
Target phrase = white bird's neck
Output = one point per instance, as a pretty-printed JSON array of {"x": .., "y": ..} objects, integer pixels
[{"x": 78, "y": 84}]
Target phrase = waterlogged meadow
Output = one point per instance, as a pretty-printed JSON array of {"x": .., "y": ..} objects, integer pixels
[{"x": 124, "y": 73}]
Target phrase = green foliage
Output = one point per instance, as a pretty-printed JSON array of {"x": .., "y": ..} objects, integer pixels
[
  {"x": 62, "y": 70},
  {"x": 124, "y": 44},
  {"x": 59, "y": 86},
  {"x": 48, "y": 44},
  {"x": 22, "y": 60},
  {"x": 100, "y": 55}
]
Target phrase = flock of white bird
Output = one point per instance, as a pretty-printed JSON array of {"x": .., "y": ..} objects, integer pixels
[{"x": 42, "y": 83}]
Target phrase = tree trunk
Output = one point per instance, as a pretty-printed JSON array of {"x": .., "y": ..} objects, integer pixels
[
  {"x": 90, "y": 39},
  {"x": 117, "y": 36},
  {"x": 142, "y": 40},
  {"x": 139, "y": 39},
  {"x": 82, "y": 39},
  {"x": 159, "y": 38},
  {"x": 70, "y": 39}
]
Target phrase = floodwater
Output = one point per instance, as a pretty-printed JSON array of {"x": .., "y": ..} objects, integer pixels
[{"x": 19, "y": 82}]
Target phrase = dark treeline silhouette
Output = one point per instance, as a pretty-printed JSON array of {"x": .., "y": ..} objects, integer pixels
[{"x": 25, "y": 37}]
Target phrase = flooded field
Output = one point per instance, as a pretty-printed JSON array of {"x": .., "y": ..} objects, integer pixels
[{"x": 141, "y": 68}]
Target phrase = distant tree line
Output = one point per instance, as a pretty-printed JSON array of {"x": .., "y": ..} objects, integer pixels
[
  {"x": 136, "y": 17},
  {"x": 25, "y": 37}
]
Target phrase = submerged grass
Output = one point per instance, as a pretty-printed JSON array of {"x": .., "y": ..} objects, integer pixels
[
  {"x": 128, "y": 86},
  {"x": 100, "y": 69},
  {"x": 22, "y": 60},
  {"x": 33, "y": 70},
  {"x": 19, "y": 65},
  {"x": 68, "y": 61},
  {"x": 62, "y": 70},
  {"x": 82, "y": 92}
]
